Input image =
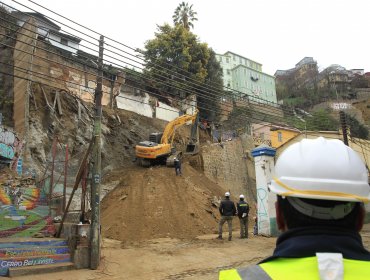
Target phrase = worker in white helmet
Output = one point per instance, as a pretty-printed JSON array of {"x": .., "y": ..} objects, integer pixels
[
  {"x": 227, "y": 210},
  {"x": 242, "y": 209},
  {"x": 321, "y": 188}
]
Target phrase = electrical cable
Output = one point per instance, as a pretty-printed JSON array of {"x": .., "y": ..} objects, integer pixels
[
  {"x": 100, "y": 34},
  {"x": 15, "y": 1},
  {"x": 45, "y": 74}
]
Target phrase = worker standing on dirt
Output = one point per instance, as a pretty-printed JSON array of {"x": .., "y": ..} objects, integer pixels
[
  {"x": 177, "y": 162},
  {"x": 227, "y": 210},
  {"x": 321, "y": 188},
  {"x": 242, "y": 208}
]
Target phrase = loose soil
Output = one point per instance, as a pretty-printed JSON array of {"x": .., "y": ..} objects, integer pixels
[
  {"x": 154, "y": 203},
  {"x": 173, "y": 259}
]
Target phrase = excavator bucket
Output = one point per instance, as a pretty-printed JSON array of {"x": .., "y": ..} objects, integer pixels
[{"x": 192, "y": 149}]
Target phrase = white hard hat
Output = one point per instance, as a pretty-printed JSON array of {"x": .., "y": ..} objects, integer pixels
[
  {"x": 241, "y": 196},
  {"x": 321, "y": 169},
  {"x": 227, "y": 194}
]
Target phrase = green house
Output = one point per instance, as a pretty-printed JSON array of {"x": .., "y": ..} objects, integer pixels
[{"x": 245, "y": 76}]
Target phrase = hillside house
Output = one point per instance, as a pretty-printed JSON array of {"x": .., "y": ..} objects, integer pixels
[
  {"x": 49, "y": 31},
  {"x": 272, "y": 135},
  {"x": 245, "y": 76}
]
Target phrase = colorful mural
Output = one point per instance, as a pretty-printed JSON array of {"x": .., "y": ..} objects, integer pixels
[
  {"x": 10, "y": 149},
  {"x": 23, "y": 211},
  {"x": 15, "y": 254}
]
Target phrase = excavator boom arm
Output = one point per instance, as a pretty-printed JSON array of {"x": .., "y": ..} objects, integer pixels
[{"x": 169, "y": 131}]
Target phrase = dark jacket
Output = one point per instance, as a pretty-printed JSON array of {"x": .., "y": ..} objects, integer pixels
[
  {"x": 242, "y": 207},
  {"x": 306, "y": 242},
  {"x": 227, "y": 208},
  {"x": 177, "y": 163}
]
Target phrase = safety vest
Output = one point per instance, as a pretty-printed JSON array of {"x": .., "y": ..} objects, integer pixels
[{"x": 324, "y": 266}]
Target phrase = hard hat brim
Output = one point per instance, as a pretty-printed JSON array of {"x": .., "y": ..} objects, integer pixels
[{"x": 319, "y": 190}]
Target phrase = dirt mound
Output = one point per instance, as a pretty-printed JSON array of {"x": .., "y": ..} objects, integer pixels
[{"x": 153, "y": 203}]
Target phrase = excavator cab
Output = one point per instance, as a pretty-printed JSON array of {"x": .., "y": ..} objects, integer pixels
[{"x": 159, "y": 147}]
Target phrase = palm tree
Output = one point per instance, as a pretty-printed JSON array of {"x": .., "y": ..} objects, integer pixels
[{"x": 184, "y": 15}]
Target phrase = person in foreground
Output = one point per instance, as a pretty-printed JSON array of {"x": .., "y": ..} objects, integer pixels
[
  {"x": 227, "y": 210},
  {"x": 321, "y": 188}
]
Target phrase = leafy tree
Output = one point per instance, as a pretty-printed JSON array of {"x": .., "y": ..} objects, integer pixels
[
  {"x": 174, "y": 57},
  {"x": 356, "y": 128},
  {"x": 184, "y": 15},
  {"x": 178, "y": 64},
  {"x": 211, "y": 102}
]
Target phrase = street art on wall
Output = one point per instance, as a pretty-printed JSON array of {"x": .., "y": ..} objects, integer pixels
[
  {"x": 10, "y": 147},
  {"x": 30, "y": 253},
  {"x": 262, "y": 214},
  {"x": 23, "y": 211}
]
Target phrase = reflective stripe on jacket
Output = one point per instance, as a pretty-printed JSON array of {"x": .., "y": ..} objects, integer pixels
[
  {"x": 242, "y": 207},
  {"x": 295, "y": 268}
]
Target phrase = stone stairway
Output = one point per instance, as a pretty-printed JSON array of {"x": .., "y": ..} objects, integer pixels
[{"x": 25, "y": 256}]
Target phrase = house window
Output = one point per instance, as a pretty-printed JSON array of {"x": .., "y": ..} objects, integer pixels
[
  {"x": 227, "y": 60},
  {"x": 228, "y": 72},
  {"x": 64, "y": 41},
  {"x": 280, "y": 137},
  {"x": 262, "y": 136}
]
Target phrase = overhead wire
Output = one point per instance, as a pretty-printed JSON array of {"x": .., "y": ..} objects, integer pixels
[
  {"x": 78, "y": 61},
  {"x": 254, "y": 97},
  {"x": 201, "y": 107},
  {"x": 126, "y": 62},
  {"x": 90, "y": 30},
  {"x": 53, "y": 77}
]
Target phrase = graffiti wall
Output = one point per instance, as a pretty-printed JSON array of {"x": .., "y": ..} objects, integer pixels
[
  {"x": 265, "y": 168},
  {"x": 30, "y": 253},
  {"x": 10, "y": 147},
  {"x": 23, "y": 209}
]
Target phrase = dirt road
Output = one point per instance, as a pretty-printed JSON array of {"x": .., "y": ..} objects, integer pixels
[{"x": 172, "y": 259}]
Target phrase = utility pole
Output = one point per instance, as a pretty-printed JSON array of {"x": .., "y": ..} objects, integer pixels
[
  {"x": 96, "y": 168},
  {"x": 65, "y": 180},
  {"x": 342, "y": 117}
]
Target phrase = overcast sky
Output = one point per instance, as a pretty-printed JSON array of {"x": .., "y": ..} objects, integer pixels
[{"x": 276, "y": 33}]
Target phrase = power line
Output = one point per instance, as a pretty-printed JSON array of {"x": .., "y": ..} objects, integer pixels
[
  {"x": 264, "y": 101},
  {"x": 56, "y": 62},
  {"x": 135, "y": 61},
  {"x": 251, "y": 118}
]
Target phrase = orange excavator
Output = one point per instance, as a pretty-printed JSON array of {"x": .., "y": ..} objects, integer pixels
[{"x": 159, "y": 148}]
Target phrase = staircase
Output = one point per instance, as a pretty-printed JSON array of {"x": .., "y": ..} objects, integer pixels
[{"x": 24, "y": 256}]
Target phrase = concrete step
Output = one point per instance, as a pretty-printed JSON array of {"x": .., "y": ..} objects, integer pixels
[
  {"x": 39, "y": 269},
  {"x": 32, "y": 251},
  {"x": 29, "y": 242},
  {"x": 19, "y": 253}
]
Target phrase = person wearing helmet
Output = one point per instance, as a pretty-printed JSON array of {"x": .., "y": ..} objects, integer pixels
[
  {"x": 242, "y": 208},
  {"x": 321, "y": 188},
  {"x": 227, "y": 210},
  {"x": 177, "y": 164}
]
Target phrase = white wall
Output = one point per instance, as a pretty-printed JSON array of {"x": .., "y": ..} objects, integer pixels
[
  {"x": 165, "y": 112},
  {"x": 133, "y": 103}
]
